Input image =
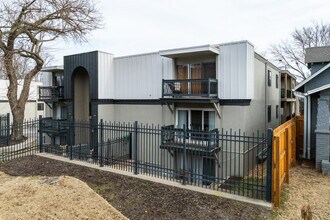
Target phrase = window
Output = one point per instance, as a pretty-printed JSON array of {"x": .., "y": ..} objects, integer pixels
[
  {"x": 196, "y": 119},
  {"x": 269, "y": 113},
  {"x": 276, "y": 81},
  {"x": 277, "y": 113},
  {"x": 269, "y": 78},
  {"x": 40, "y": 106}
]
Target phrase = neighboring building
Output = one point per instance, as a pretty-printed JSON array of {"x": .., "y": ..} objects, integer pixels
[
  {"x": 204, "y": 87},
  {"x": 316, "y": 90},
  {"x": 52, "y": 94},
  {"x": 33, "y": 108},
  {"x": 288, "y": 100}
]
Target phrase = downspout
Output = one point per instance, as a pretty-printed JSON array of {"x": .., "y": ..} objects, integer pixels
[{"x": 306, "y": 113}]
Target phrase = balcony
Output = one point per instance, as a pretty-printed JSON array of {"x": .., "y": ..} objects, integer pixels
[
  {"x": 51, "y": 93},
  {"x": 190, "y": 88},
  {"x": 54, "y": 126},
  {"x": 287, "y": 94},
  {"x": 193, "y": 142}
]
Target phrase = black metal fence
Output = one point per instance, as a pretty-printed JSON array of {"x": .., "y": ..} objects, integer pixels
[
  {"x": 225, "y": 161},
  {"x": 29, "y": 143},
  {"x": 4, "y": 129}
]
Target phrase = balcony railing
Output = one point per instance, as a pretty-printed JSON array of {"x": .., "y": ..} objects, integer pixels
[
  {"x": 207, "y": 88},
  {"x": 51, "y": 92},
  {"x": 288, "y": 94},
  {"x": 190, "y": 140},
  {"x": 54, "y": 126}
]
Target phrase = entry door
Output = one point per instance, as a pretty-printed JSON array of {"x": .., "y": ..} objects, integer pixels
[
  {"x": 183, "y": 75},
  {"x": 196, "y": 73},
  {"x": 183, "y": 118},
  {"x": 196, "y": 120}
]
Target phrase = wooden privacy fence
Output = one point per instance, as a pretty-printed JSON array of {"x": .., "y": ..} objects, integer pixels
[{"x": 284, "y": 156}]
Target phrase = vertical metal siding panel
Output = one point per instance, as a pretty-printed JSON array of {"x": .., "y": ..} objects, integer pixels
[
  {"x": 250, "y": 72},
  {"x": 47, "y": 79},
  {"x": 138, "y": 76},
  {"x": 105, "y": 83},
  {"x": 236, "y": 71}
]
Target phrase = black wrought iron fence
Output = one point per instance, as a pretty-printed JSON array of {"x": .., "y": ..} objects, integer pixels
[
  {"x": 28, "y": 144},
  {"x": 4, "y": 129},
  {"x": 227, "y": 161}
]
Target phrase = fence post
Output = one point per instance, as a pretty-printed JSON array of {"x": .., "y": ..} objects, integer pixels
[
  {"x": 184, "y": 155},
  {"x": 71, "y": 137},
  {"x": 40, "y": 135},
  {"x": 269, "y": 181},
  {"x": 136, "y": 148},
  {"x": 102, "y": 144},
  {"x": 8, "y": 128}
]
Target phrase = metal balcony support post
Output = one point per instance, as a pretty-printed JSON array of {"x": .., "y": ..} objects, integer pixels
[{"x": 209, "y": 87}]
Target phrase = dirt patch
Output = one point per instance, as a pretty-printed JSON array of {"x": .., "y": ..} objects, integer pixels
[
  {"x": 51, "y": 198},
  {"x": 140, "y": 199},
  {"x": 307, "y": 187}
]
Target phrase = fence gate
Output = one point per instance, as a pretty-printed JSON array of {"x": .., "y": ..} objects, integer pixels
[{"x": 284, "y": 157}]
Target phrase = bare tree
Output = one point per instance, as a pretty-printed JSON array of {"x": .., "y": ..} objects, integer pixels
[
  {"x": 25, "y": 27},
  {"x": 291, "y": 53}
]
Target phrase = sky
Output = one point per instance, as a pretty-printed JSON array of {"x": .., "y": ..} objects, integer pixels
[{"x": 142, "y": 26}]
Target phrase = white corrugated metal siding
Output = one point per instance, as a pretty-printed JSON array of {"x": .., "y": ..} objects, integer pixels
[
  {"x": 47, "y": 78},
  {"x": 168, "y": 68},
  {"x": 236, "y": 62},
  {"x": 138, "y": 76},
  {"x": 106, "y": 82}
]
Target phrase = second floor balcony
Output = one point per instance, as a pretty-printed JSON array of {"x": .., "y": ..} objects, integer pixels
[
  {"x": 190, "y": 88},
  {"x": 287, "y": 94},
  {"x": 51, "y": 93}
]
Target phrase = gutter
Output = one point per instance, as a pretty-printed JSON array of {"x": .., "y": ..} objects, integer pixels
[{"x": 306, "y": 114}]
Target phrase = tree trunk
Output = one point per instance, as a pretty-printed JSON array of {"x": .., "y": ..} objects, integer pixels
[{"x": 18, "y": 119}]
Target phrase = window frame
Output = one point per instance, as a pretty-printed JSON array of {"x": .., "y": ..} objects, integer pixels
[
  {"x": 269, "y": 113},
  {"x": 189, "y": 116},
  {"x": 277, "y": 81},
  {"x": 40, "y": 104},
  {"x": 269, "y": 77}
]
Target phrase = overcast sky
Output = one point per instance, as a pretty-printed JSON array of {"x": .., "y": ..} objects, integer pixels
[{"x": 140, "y": 26}]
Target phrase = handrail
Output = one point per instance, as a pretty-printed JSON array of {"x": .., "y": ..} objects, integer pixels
[
  {"x": 51, "y": 92},
  {"x": 190, "y": 88}
]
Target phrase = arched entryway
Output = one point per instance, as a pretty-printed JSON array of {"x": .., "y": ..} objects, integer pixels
[
  {"x": 81, "y": 106},
  {"x": 81, "y": 95}
]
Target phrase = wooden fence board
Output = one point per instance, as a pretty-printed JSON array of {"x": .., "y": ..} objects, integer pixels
[{"x": 284, "y": 155}]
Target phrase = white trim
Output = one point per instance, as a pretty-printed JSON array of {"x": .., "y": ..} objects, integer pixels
[
  {"x": 327, "y": 86},
  {"x": 186, "y": 50},
  {"x": 311, "y": 77}
]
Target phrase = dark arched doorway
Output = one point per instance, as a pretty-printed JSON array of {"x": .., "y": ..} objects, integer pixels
[
  {"x": 81, "y": 95},
  {"x": 81, "y": 106}
]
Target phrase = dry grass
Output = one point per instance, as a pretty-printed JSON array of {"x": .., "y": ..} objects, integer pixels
[
  {"x": 307, "y": 187},
  {"x": 51, "y": 198}
]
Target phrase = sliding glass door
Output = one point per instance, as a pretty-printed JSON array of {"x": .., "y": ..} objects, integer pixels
[{"x": 195, "y": 119}]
